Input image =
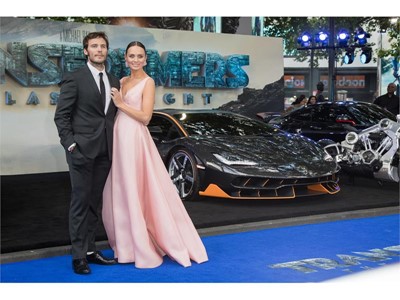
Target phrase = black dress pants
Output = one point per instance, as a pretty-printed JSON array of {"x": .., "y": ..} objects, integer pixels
[{"x": 88, "y": 177}]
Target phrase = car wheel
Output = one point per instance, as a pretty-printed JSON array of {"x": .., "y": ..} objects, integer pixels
[{"x": 184, "y": 174}]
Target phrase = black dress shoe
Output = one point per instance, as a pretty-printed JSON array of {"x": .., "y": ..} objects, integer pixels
[
  {"x": 98, "y": 258},
  {"x": 81, "y": 266}
]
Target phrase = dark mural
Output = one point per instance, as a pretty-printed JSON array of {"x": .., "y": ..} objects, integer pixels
[{"x": 253, "y": 101}]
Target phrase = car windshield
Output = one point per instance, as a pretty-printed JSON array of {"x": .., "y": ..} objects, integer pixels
[
  {"x": 365, "y": 114},
  {"x": 369, "y": 114},
  {"x": 222, "y": 123}
]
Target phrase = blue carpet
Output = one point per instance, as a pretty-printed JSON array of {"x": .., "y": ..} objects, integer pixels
[{"x": 296, "y": 254}]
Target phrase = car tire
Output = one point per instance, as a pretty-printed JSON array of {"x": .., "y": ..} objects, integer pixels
[{"x": 184, "y": 174}]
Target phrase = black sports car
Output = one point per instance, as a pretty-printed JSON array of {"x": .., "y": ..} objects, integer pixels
[
  {"x": 330, "y": 120},
  {"x": 222, "y": 154}
]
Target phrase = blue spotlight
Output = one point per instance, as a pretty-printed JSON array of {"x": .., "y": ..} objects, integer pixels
[
  {"x": 348, "y": 57},
  {"x": 305, "y": 40},
  {"x": 343, "y": 38},
  {"x": 322, "y": 39},
  {"x": 366, "y": 55},
  {"x": 360, "y": 36}
]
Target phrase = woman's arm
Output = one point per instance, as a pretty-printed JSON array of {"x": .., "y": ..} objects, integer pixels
[{"x": 143, "y": 115}]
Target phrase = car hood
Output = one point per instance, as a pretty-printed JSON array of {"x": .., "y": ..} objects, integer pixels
[{"x": 280, "y": 154}]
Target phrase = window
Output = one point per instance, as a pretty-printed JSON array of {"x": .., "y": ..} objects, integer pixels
[
  {"x": 162, "y": 129},
  {"x": 304, "y": 114}
]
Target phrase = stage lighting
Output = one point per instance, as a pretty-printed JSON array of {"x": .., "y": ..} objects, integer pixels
[
  {"x": 343, "y": 38},
  {"x": 360, "y": 36},
  {"x": 366, "y": 55},
  {"x": 322, "y": 39},
  {"x": 305, "y": 40},
  {"x": 348, "y": 58}
]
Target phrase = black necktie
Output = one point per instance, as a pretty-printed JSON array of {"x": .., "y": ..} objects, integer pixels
[{"x": 102, "y": 89}]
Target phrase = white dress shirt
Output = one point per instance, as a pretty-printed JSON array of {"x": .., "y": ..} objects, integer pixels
[{"x": 96, "y": 77}]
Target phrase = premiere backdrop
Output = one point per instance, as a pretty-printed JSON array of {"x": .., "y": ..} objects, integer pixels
[{"x": 193, "y": 70}]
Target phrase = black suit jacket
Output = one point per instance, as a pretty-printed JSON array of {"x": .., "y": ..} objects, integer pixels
[
  {"x": 80, "y": 116},
  {"x": 391, "y": 104}
]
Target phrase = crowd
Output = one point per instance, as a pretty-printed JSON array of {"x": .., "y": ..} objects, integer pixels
[{"x": 389, "y": 101}]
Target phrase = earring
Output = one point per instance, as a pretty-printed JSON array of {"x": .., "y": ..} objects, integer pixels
[
  {"x": 145, "y": 63},
  {"x": 126, "y": 64}
]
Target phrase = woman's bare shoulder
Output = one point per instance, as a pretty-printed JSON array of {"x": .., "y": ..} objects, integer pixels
[
  {"x": 123, "y": 79},
  {"x": 150, "y": 80}
]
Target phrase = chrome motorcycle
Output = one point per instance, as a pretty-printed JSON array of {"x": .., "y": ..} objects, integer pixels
[{"x": 371, "y": 152}]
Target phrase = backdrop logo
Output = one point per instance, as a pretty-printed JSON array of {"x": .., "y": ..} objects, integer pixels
[
  {"x": 311, "y": 265},
  {"x": 174, "y": 69},
  {"x": 178, "y": 69}
]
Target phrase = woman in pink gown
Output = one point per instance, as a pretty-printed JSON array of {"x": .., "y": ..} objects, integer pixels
[{"x": 143, "y": 216}]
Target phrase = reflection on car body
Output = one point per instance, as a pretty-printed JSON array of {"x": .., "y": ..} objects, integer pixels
[
  {"x": 331, "y": 120},
  {"x": 222, "y": 154}
]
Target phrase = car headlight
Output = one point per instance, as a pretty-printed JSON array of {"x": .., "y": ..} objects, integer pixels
[
  {"x": 384, "y": 123},
  {"x": 232, "y": 159},
  {"x": 351, "y": 138}
]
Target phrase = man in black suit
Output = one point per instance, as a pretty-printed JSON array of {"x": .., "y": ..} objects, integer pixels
[
  {"x": 389, "y": 101},
  {"x": 320, "y": 90},
  {"x": 85, "y": 118}
]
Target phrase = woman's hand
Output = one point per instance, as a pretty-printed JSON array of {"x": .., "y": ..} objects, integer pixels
[{"x": 116, "y": 97}]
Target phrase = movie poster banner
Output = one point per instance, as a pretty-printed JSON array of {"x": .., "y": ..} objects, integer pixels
[{"x": 193, "y": 70}]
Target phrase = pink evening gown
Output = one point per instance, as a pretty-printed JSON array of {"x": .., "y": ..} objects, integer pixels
[{"x": 143, "y": 216}]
